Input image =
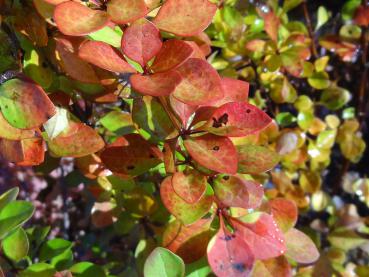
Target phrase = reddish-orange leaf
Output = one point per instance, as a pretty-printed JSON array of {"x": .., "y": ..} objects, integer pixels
[
  {"x": 200, "y": 83},
  {"x": 56, "y": 2},
  {"x": 213, "y": 152},
  {"x": 74, "y": 66},
  {"x": 234, "y": 91},
  {"x": 172, "y": 54},
  {"x": 237, "y": 119},
  {"x": 262, "y": 235},
  {"x": 77, "y": 140},
  {"x": 271, "y": 23},
  {"x": 189, "y": 242},
  {"x": 300, "y": 247},
  {"x": 125, "y": 11},
  {"x": 75, "y": 19},
  {"x": 141, "y": 41},
  {"x": 284, "y": 212},
  {"x": 233, "y": 191},
  {"x": 361, "y": 16},
  {"x": 131, "y": 155},
  {"x": 24, "y": 104},
  {"x": 255, "y": 45},
  {"x": 190, "y": 186},
  {"x": 185, "y": 17},
  {"x": 105, "y": 56},
  {"x": 7, "y": 131},
  {"x": 272, "y": 267},
  {"x": 169, "y": 151},
  {"x": 255, "y": 159},
  {"x": 183, "y": 110},
  {"x": 158, "y": 84},
  {"x": 185, "y": 212},
  {"x": 26, "y": 152},
  {"x": 229, "y": 255},
  {"x": 91, "y": 166}
]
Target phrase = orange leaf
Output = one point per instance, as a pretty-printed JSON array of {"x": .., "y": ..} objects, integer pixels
[
  {"x": 125, "y": 11},
  {"x": 190, "y": 186}
]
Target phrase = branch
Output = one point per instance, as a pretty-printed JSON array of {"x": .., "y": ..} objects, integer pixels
[{"x": 310, "y": 29}]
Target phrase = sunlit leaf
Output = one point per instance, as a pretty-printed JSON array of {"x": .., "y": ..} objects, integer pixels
[
  {"x": 183, "y": 110},
  {"x": 272, "y": 267},
  {"x": 119, "y": 123},
  {"x": 284, "y": 212},
  {"x": 213, "y": 152},
  {"x": 124, "y": 11},
  {"x": 185, "y": 17},
  {"x": 7, "y": 131},
  {"x": 162, "y": 262},
  {"x": 234, "y": 91},
  {"x": 271, "y": 23},
  {"x": 57, "y": 124},
  {"x": 105, "y": 56},
  {"x": 190, "y": 186},
  {"x": 16, "y": 245},
  {"x": 141, "y": 41},
  {"x": 75, "y": 19}
]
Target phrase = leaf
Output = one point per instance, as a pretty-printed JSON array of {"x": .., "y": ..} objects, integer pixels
[
  {"x": 185, "y": 17},
  {"x": 361, "y": 16},
  {"x": 237, "y": 119},
  {"x": 213, "y": 152},
  {"x": 290, "y": 4},
  {"x": 8, "y": 196},
  {"x": 13, "y": 215},
  {"x": 74, "y": 66},
  {"x": 53, "y": 248},
  {"x": 234, "y": 91},
  {"x": 233, "y": 191},
  {"x": 77, "y": 140},
  {"x": 158, "y": 84},
  {"x": 38, "y": 270},
  {"x": 35, "y": 67},
  {"x": 118, "y": 122},
  {"x": 162, "y": 262},
  {"x": 284, "y": 212},
  {"x": 255, "y": 159},
  {"x": 149, "y": 115},
  {"x": 75, "y": 19},
  {"x": 183, "y": 110},
  {"x": 261, "y": 233},
  {"x": 105, "y": 56},
  {"x": 15, "y": 246},
  {"x": 183, "y": 211},
  {"x": 26, "y": 152},
  {"x": 200, "y": 83},
  {"x": 335, "y": 98},
  {"x": 109, "y": 35},
  {"x": 300, "y": 247},
  {"x": 319, "y": 80},
  {"x": 7, "y": 131},
  {"x": 189, "y": 242},
  {"x": 229, "y": 255},
  {"x": 130, "y": 155},
  {"x": 271, "y": 23},
  {"x": 57, "y": 124},
  {"x": 345, "y": 239},
  {"x": 24, "y": 104},
  {"x": 272, "y": 267},
  {"x": 87, "y": 269},
  {"x": 125, "y": 11},
  {"x": 172, "y": 54},
  {"x": 323, "y": 17},
  {"x": 141, "y": 41},
  {"x": 190, "y": 186}
]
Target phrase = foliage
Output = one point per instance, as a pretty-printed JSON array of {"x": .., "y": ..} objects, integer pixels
[{"x": 200, "y": 136}]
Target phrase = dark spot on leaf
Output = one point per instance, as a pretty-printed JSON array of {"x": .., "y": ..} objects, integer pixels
[
  {"x": 223, "y": 120},
  {"x": 248, "y": 111},
  {"x": 130, "y": 167},
  {"x": 164, "y": 150},
  {"x": 216, "y": 148},
  {"x": 152, "y": 156},
  {"x": 239, "y": 267},
  {"x": 226, "y": 177},
  {"x": 227, "y": 238}
]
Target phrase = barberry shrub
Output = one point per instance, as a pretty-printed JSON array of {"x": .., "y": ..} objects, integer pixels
[{"x": 162, "y": 129}]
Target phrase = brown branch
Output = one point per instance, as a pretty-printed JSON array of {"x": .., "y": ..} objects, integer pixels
[{"x": 310, "y": 29}]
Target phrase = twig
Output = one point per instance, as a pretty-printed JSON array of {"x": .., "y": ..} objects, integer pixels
[{"x": 310, "y": 29}]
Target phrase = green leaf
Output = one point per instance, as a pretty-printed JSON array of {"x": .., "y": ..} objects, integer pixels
[
  {"x": 118, "y": 122},
  {"x": 108, "y": 35},
  {"x": 16, "y": 245},
  {"x": 349, "y": 8},
  {"x": 38, "y": 270},
  {"x": 87, "y": 269},
  {"x": 164, "y": 263},
  {"x": 285, "y": 119},
  {"x": 13, "y": 215},
  {"x": 323, "y": 17},
  {"x": 335, "y": 98},
  {"x": 199, "y": 268},
  {"x": 319, "y": 80},
  {"x": 290, "y": 4},
  {"x": 8, "y": 196},
  {"x": 53, "y": 248}
]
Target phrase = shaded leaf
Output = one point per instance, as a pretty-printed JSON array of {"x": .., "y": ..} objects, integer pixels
[
  {"x": 118, "y": 122},
  {"x": 53, "y": 248},
  {"x": 8, "y": 196}
]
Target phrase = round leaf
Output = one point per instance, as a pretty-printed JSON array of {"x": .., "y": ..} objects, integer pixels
[
  {"x": 124, "y": 11},
  {"x": 162, "y": 262},
  {"x": 189, "y": 186},
  {"x": 16, "y": 245}
]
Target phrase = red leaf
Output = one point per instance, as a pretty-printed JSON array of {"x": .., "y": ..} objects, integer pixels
[
  {"x": 234, "y": 91},
  {"x": 200, "y": 83},
  {"x": 131, "y": 155},
  {"x": 169, "y": 151},
  {"x": 189, "y": 186},
  {"x": 237, "y": 119},
  {"x": 185, "y": 212},
  {"x": 183, "y": 110},
  {"x": 255, "y": 159},
  {"x": 125, "y": 11},
  {"x": 189, "y": 242},
  {"x": 185, "y": 17},
  {"x": 361, "y": 16},
  {"x": 271, "y": 24},
  {"x": 284, "y": 212},
  {"x": 173, "y": 53},
  {"x": 229, "y": 255},
  {"x": 105, "y": 56},
  {"x": 72, "y": 64},
  {"x": 26, "y": 152},
  {"x": 141, "y": 41},
  {"x": 213, "y": 152},
  {"x": 77, "y": 140},
  {"x": 262, "y": 235},
  {"x": 233, "y": 191},
  {"x": 300, "y": 247},
  {"x": 158, "y": 84},
  {"x": 74, "y": 19}
]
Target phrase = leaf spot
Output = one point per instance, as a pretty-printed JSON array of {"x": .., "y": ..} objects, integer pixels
[{"x": 223, "y": 120}]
